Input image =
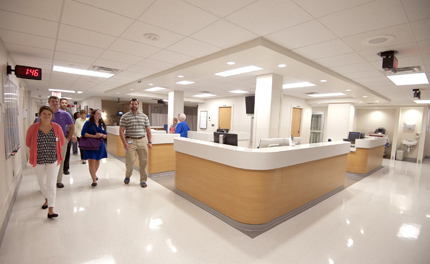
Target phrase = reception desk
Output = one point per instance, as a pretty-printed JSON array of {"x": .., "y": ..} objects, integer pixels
[
  {"x": 160, "y": 158},
  {"x": 242, "y": 137},
  {"x": 255, "y": 186},
  {"x": 366, "y": 156}
]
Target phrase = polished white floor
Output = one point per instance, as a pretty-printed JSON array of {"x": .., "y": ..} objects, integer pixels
[{"x": 385, "y": 218}]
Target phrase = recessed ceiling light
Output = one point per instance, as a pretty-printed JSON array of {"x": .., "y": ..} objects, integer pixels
[
  {"x": 297, "y": 85},
  {"x": 348, "y": 90},
  {"x": 378, "y": 40},
  {"x": 282, "y": 65},
  {"x": 150, "y": 83},
  {"x": 117, "y": 93},
  {"x": 131, "y": 89},
  {"x": 180, "y": 76},
  {"x": 155, "y": 89},
  {"x": 409, "y": 79},
  {"x": 376, "y": 101},
  {"x": 360, "y": 102},
  {"x": 323, "y": 81},
  {"x": 231, "y": 63},
  {"x": 365, "y": 96},
  {"x": 79, "y": 92},
  {"x": 239, "y": 71},
  {"x": 151, "y": 36},
  {"x": 184, "y": 82},
  {"x": 63, "y": 91},
  {"x": 82, "y": 72},
  {"x": 204, "y": 95},
  {"x": 238, "y": 91},
  {"x": 422, "y": 101},
  {"x": 326, "y": 94}
]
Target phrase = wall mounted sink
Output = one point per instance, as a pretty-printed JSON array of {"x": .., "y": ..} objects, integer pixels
[{"x": 409, "y": 143}]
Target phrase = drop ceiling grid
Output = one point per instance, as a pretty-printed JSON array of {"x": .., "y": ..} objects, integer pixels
[
  {"x": 171, "y": 57},
  {"x": 133, "y": 48},
  {"x": 193, "y": 48},
  {"x": 323, "y": 8},
  {"x": 132, "y": 9},
  {"x": 421, "y": 29},
  {"x": 154, "y": 64},
  {"x": 73, "y": 58},
  {"x": 44, "y": 9},
  {"x": 341, "y": 60},
  {"x": 14, "y": 37},
  {"x": 112, "y": 64},
  {"x": 325, "y": 49},
  {"x": 85, "y": 36},
  {"x": 28, "y": 25},
  {"x": 220, "y": 8},
  {"x": 78, "y": 49},
  {"x": 30, "y": 51},
  {"x": 120, "y": 57},
  {"x": 417, "y": 10}
]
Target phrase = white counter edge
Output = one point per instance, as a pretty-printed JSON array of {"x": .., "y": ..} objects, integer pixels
[{"x": 260, "y": 159}]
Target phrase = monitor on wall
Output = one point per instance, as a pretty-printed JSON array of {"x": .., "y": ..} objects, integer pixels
[{"x": 249, "y": 104}]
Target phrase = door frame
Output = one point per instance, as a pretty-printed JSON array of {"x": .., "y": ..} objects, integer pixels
[
  {"x": 232, "y": 116},
  {"x": 322, "y": 113},
  {"x": 291, "y": 118}
]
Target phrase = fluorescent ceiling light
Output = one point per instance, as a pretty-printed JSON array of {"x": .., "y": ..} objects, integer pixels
[
  {"x": 82, "y": 72},
  {"x": 79, "y": 92},
  {"x": 422, "y": 101},
  {"x": 297, "y": 85},
  {"x": 238, "y": 91},
  {"x": 181, "y": 76},
  {"x": 63, "y": 91},
  {"x": 155, "y": 89},
  {"x": 282, "y": 65},
  {"x": 68, "y": 98},
  {"x": 409, "y": 79},
  {"x": 323, "y": 81},
  {"x": 239, "y": 71},
  {"x": 185, "y": 82},
  {"x": 231, "y": 63},
  {"x": 204, "y": 95},
  {"x": 326, "y": 94}
]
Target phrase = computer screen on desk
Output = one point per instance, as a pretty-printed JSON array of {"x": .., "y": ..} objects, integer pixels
[
  {"x": 273, "y": 142},
  {"x": 354, "y": 135},
  {"x": 229, "y": 139},
  {"x": 223, "y": 130}
]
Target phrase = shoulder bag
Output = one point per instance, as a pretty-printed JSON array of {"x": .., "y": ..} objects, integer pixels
[{"x": 89, "y": 143}]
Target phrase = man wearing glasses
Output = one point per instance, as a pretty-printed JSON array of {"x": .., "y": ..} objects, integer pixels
[{"x": 135, "y": 134}]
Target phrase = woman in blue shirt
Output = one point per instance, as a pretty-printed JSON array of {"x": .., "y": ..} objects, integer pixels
[
  {"x": 95, "y": 128},
  {"x": 182, "y": 128}
]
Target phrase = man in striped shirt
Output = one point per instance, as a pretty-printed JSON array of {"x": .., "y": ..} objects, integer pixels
[{"x": 135, "y": 134}]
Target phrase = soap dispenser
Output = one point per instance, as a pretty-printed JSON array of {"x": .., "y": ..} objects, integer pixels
[{"x": 417, "y": 135}]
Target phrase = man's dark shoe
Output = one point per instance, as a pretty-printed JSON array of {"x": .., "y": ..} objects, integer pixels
[
  {"x": 60, "y": 185},
  {"x": 66, "y": 172}
]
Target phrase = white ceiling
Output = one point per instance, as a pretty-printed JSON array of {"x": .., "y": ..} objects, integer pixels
[{"x": 314, "y": 38}]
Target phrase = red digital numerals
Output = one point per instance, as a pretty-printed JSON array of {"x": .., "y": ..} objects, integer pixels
[{"x": 32, "y": 72}]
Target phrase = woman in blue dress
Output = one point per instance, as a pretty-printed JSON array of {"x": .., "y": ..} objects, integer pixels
[{"x": 95, "y": 128}]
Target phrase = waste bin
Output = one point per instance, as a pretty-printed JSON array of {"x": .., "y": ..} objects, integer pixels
[{"x": 399, "y": 154}]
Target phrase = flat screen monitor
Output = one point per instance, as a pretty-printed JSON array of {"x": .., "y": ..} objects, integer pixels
[
  {"x": 229, "y": 139},
  {"x": 120, "y": 113},
  {"x": 249, "y": 104},
  {"x": 273, "y": 142},
  {"x": 354, "y": 135},
  {"x": 222, "y": 130}
]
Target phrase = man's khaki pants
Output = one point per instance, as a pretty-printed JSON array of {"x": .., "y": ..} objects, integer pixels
[{"x": 141, "y": 147}]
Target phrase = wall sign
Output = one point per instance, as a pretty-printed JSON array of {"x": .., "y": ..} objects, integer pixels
[{"x": 203, "y": 119}]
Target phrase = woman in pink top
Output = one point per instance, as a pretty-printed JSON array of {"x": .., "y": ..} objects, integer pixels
[{"x": 45, "y": 140}]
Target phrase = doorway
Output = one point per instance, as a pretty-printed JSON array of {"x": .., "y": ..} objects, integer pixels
[
  {"x": 295, "y": 123},
  {"x": 225, "y": 117},
  {"x": 317, "y": 127}
]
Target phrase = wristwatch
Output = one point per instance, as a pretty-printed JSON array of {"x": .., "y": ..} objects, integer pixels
[{"x": 149, "y": 142}]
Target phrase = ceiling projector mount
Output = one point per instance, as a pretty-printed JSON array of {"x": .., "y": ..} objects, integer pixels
[
  {"x": 417, "y": 94},
  {"x": 389, "y": 61}
]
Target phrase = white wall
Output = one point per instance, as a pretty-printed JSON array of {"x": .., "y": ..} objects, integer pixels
[
  {"x": 427, "y": 141},
  {"x": 11, "y": 169},
  {"x": 339, "y": 122},
  {"x": 92, "y": 102},
  {"x": 241, "y": 122},
  {"x": 370, "y": 119}
]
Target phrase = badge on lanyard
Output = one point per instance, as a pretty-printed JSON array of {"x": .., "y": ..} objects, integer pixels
[{"x": 56, "y": 139}]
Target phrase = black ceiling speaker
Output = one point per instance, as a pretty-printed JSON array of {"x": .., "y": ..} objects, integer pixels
[
  {"x": 417, "y": 94},
  {"x": 389, "y": 61}
]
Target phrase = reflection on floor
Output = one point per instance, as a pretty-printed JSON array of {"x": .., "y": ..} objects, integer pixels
[{"x": 384, "y": 219}]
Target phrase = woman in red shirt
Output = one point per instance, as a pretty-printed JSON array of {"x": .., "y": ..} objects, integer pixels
[{"x": 45, "y": 140}]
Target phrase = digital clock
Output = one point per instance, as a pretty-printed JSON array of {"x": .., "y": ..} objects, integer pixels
[{"x": 26, "y": 72}]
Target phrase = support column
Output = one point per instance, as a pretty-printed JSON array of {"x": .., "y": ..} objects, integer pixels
[
  {"x": 175, "y": 106},
  {"x": 340, "y": 121},
  {"x": 268, "y": 107}
]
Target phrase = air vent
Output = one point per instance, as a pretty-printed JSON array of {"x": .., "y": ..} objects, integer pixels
[
  {"x": 104, "y": 69},
  {"x": 205, "y": 92},
  {"x": 312, "y": 93}
]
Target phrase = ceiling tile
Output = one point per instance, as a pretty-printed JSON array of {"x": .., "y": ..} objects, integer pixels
[
  {"x": 29, "y": 51},
  {"x": 30, "y": 25},
  {"x": 171, "y": 57},
  {"x": 322, "y": 8},
  {"x": 154, "y": 64},
  {"x": 417, "y": 9},
  {"x": 87, "y": 17},
  {"x": 405, "y": 50},
  {"x": 45, "y": 9},
  {"x": 86, "y": 37},
  {"x": 14, "y": 37},
  {"x": 120, "y": 57},
  {"x": 305, "y": 34},
  {"x": 79, "y": 49},
  {"x": 133, "y": 48},
  {"x": 360, "y": 67},
  {"x": 132, "y": 8},
  {"x": 267, "y": 16},
  {"x": 402, "y": 34},
  {"x": 142, "y": 70},
  {"x": 424, "y": 46},
  {"x": 170, "y": 14},
  {"x": 421, "y": 29},
  {"x": 325, "y": 49},
  {"x": 137, "y": 30},
  {"x": 73, "y": 58},
  {"x": 224, "y": 34},
  {"x": 426, "y": 60},
  {"x": 112, "y": 64},
  {"x": 220, "y": 8},
  {"x": 194, "y": 48},
  {"x": 83, "y": 66},
  {"x": 31, "y": 59},
  {"x": 339, "y": 60},
  {"x": 366, "y": 17},
  {"x": 366, "y": 74}
]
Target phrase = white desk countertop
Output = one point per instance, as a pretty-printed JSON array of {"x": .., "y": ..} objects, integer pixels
[
  {"x": 260, "y": 159},
  {"x": 370, "y": 142},
  {"x": 157, "y": 138}
]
